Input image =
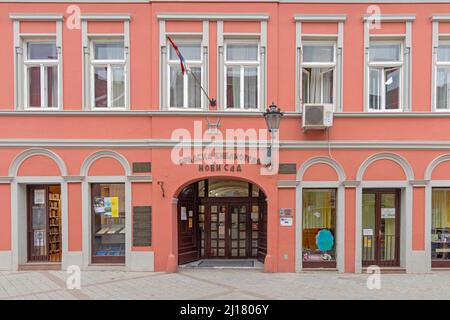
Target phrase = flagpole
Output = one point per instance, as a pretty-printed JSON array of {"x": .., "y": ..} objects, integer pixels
[{"x": 212, "y": 102}]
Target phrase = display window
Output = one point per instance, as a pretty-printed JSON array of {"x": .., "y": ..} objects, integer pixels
[
  {"x": 108, "y": 223},
  {"x": 440, "y": 228},
  {"x": 318, "y": 228}
]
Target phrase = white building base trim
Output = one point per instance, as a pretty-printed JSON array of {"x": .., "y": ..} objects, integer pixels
[
  {"x": 418, "y": 263},
  {"x": 6, "y": 261},
  {"x": 72, "y": 258},
  {"x": 141, "y": 261}
]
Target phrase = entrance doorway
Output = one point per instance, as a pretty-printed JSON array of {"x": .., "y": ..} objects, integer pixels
[
  {"x": 44, "y": 223},
  {"x": 221, "y": 219},
  {"x": 381, "y": 227}
]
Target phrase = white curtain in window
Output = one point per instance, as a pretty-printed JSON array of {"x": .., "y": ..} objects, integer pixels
[
  {"x": 233, "y": 87},
  {"x": 176, "y": 87},
  {"x": 442, "y": 88},
  {"x": 194, "y": 91}
]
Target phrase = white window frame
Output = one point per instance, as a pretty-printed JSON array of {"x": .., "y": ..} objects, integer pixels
[
  {"x": 440, "y": 65},
  {"x": 383, "y": 65},
  {"x": 242, "y": 65},
  {"x": 27, "y": 63},
  {"x": 332, "y": 64},
  {"x": 188, "y": 63},
  {"x": 108, "y": 63}
]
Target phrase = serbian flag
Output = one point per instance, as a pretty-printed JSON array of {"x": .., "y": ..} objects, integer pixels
[{"x": 177, "y": 51}]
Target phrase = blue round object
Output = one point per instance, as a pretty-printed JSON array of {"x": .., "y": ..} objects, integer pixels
[{"x": 324, "y": 240}]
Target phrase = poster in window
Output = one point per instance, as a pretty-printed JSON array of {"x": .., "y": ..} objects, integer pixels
[
  {"x": 39, "y": 238},
  {"x": 39, "y": 196},
  {"x": 99, "y": 205},
  {"x": 39, "y": 217},
  {"x": 111, "y": 205}
]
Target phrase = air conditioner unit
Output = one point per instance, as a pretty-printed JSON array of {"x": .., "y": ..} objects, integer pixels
[{"x": 317, "y": 116}]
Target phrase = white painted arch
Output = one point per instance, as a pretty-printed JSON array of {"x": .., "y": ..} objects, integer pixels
[
  {"x": 24, "y": 155},
  {"x": 321, "y": 160},
  {"x": 404, "y": 164},
  {"x": 405, "y": 205},
  {"x": 433, "y": 164},
  {"x": 84, "y": 170}
]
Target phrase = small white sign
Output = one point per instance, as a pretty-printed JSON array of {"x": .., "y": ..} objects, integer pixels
[
  {"x": 286, "y": 222},
  {"x": 387, "y": 213},
  {"x": 367, "y": 232},
  {"x": 183, "y": 213},
  {"x": 39, "y": 196}
]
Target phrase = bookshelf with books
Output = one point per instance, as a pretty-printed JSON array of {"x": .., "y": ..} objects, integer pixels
[{"x": 54, "y": 226}]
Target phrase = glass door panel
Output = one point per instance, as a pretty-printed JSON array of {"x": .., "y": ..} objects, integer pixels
[
  {"x": 387, "y": 227},
  {"x": 368, "y": 228},
  {"x": 38, "y": 237}
]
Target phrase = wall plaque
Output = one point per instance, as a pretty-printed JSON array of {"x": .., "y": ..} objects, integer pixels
[
  {"x": 287, "y": 168},
  {"x": 142, "y": 226},
  {"x": 140, "y": 167}
]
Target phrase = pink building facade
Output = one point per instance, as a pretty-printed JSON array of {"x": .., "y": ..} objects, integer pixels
[{"x": 92, "y": 93}]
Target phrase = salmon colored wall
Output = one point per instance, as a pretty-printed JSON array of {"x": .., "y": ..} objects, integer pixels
[
  {"x": 418, "y": 221},
  {"x": 384, "y": 170},
  {"x": 184, "y": 26},
  {"x": 106, "y": 167},
  {"x": 350, "y": 211},
  {"x": 75, "y": 217},
  {"x": 319, "y": 28},
  {"x": 39, "y": 166},
  {"x": 444, "y": 27},
  {"x": 5, "y": 217},
  {"x": 390, "y": 28},
  {"x": 105, "y": 27},
  {"x": 241, "y": 27},
  {"x": 37, "y": 27},
  {"x": 320, "y": 172},
  {"x": 286, "y": 240}
]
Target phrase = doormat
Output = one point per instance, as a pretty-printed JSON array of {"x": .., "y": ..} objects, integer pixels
[{"x": 226, "y": 263}]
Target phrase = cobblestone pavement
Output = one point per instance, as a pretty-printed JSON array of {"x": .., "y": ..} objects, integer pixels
[{"x": 225, "y": 284}]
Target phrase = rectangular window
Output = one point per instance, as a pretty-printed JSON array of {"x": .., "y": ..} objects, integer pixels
[
  {"x": 108, "y": 72},
  {"x": 108, "y": 223},
  {"x": 318, "y": 72},
  {"x": 318, "y": 225},
  {"x": 385, "y": 76},
  {"x": 242, "y": 69},
  {"x": 440, "y": 228},
  {"x": 41, "y": 66},
  {"x": 442, "y": 74},
  {"x": 184, "y": 90}
]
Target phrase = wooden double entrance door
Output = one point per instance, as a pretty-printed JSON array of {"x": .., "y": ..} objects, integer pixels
[
  {"x": 226, "y": 229},
  {"x": 381, "y": 227}
]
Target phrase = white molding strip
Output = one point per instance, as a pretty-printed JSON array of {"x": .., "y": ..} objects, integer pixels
[
  {"x": 320, "y": 17},
  {"x": 168, "y": 143},
  {"x": 213, "y": 16},
  {"x": 391, "y": 17},
  {"x": 6, "y": 180},
  {"x": 259, "y": 1},
  {"x": 238, "y": 114},
  {"x": 36, "y": 16},
  {"x": 287, "y": 184},
  {"x": 147, "y": 179},
  {"x": 440, "y": 17}
]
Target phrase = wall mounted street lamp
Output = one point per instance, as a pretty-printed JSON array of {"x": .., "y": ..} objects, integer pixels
[{"x": 273, "y": 116}]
